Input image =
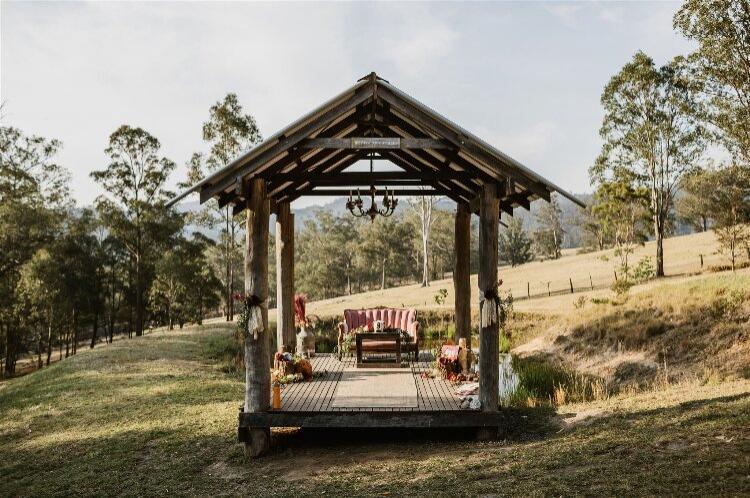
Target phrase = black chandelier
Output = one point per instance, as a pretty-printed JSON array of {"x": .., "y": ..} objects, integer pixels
[{"x": 355, "y": 205}]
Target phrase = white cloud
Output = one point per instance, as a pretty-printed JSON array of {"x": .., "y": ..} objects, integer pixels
[
  {"x": 528, "y": 145},
  {"x": 611, "y": 14},
  {"x": 418, "y": 41},
  {"x": 511, "y": 72},
  {"x": 566, "y": 12}
]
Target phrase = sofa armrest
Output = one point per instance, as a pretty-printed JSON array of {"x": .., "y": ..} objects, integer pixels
[{"x": 413, "y": 329}]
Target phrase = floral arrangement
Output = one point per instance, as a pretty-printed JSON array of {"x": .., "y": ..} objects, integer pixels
[
  {"x": 446, "y": 365},
  {"x": 300, "y": 317},
  {"x": 249, "y": 316},
  {"x": 289, "y": 368}
]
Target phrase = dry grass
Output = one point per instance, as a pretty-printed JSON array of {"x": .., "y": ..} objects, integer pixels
[
  {"x": 668, "y": 331},
  {"x": 681, "y": 258},
  {"x": 156, "y": 416}
]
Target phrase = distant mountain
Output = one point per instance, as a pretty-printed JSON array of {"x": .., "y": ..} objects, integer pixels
[{"x": 337, "y": 207}]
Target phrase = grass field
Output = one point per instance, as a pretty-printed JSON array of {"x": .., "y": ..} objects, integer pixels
[
  {"x": 682, "y": 257},
  {"x": 157, "y": 415}
]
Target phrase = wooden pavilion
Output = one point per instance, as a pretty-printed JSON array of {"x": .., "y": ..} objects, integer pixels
[{"x": 310, "y": 157}]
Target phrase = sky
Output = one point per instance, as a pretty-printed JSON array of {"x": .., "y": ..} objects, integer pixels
[{"x": 526, "y": 77}]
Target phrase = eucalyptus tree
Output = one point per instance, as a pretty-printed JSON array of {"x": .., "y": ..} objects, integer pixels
[
  {"x": 383, "y": 253},
  {"x": 115, "y": 258},
  {"x": 442, "y": 243},
  {"x": 422, "y": 210},
  {"x": 694, "y": 206},
  {"x": 133, "y": 206},
  {"x": 229, "y": 132},
  {"x": 722, "y": 68},
  {"x": 548, "y": 236},
  {"x": 621, "y": 207},
  {"x": 326, "y": 246},
  {"x": 730, "y": 203},
  {"x": 514, "y": 243},
  {"x": 39, "y": 299},
  {"x": 650, "y": 131},
  {"x": 79, "y": 254},
  {"x": 33, "y": 194}
]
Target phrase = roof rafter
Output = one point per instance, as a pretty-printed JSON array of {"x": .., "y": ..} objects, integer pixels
[{"x": 374, "y": 117}]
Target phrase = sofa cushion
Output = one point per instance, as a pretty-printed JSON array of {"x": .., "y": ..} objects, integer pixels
[{"x": 394, "y": 318}]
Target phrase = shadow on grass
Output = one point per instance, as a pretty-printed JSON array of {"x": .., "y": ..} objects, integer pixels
[
  {"x": 641, "y": 452},
  {"x": 519, "y": 425}
]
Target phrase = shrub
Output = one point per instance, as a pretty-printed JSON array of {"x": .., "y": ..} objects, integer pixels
[
  {"x": 643, "y": 271},
  {"x": 621, "y": 286},
  {"x": 543, "y": 382}
]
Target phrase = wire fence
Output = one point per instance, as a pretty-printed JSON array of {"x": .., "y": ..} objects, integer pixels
[{"x": 582, "y": 281}]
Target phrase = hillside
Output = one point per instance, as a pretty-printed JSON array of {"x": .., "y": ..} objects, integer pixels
[
  {"x": 682, "y": 257},
  {"x": 694, "y": 328},
  {"x": 157, "y": 415}
]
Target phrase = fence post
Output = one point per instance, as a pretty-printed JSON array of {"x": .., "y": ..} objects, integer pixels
[
  {"x": 528, "y": 290},
  {"x": 548, "y": 292},
  {"x": 571, "y": 284},
  {"x": 701, "y": 255},
  {"x": 615, "y": 275},
  {"x": 591, "y": 281}
]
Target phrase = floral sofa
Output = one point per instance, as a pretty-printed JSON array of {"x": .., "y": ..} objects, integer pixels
[{"x": 393, "y": 318}]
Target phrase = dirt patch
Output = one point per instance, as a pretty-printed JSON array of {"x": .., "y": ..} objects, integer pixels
[{"x": 223, "y": 470}]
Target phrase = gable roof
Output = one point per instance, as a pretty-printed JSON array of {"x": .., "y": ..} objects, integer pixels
[{"x": 374, "y": 118}]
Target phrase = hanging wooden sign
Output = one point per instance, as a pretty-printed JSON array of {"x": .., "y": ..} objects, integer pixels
[{"x": 376, "y": 142}]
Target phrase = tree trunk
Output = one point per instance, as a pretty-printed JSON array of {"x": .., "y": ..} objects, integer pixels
[
  {"x": 285, "y": 335},
  {"x": 659, "y": 252},
  {"x": 139, "y": 312},
  {"x": 96, "y": 329},
  {"x": 49, "y": 336},
  {"x": 462, "y": 273},
  {"x": 382, "y": 275},
  {"x": 39, "y": 349},
  {"x": 200, "y": 305},
  {"x": 488, "y": 332},
  {"x": 75, "y": 331},
  {"x": 425, "y": 259},
  {"x": 11, "y": 349}
]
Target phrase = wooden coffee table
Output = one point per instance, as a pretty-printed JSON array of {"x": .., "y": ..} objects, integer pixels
[{"x": 363, "y": 362}]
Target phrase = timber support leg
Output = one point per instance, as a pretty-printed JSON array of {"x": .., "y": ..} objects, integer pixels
[
  {"x": 258, "y": 441},
  {"x": 487, "y": 433}
]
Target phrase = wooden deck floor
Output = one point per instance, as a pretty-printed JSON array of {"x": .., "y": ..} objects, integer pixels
[{"x": 317, "y": 395}]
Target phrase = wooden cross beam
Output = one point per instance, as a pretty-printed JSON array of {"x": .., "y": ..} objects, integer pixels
[
  {"x": 378, "y": 192},
  {"x": 375, "y": 143},
  {"x": 356, "y": 177}
]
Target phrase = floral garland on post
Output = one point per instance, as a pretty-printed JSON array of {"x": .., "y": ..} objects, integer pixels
[
  {"x": 250, "y": 320},
  {"x": 493, "y": 309}
]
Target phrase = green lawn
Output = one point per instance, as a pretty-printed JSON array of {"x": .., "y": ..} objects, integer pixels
[{"x": 157, "y": 415}]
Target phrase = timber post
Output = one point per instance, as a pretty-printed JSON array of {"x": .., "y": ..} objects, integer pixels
[
  {"x": 462, "y": 273},
  {"x": 257, "y": 347},
  {"x": 488, "y": 328},
  {"x": 285, "y": 277}
]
